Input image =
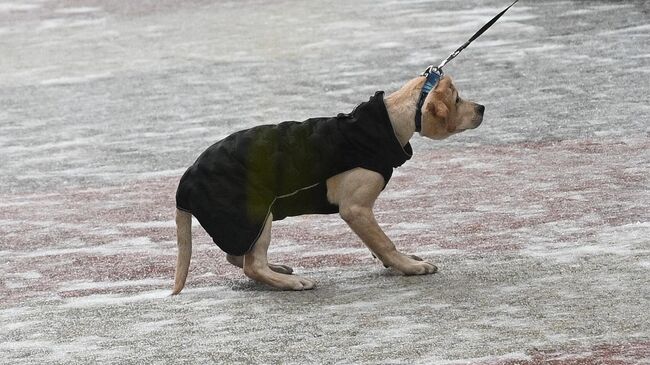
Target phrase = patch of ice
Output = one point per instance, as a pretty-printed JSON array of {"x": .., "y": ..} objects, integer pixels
[
  {"x": 78, "y": 10},
  {"x": 411, "y": 226},
  {"x": 460, "y": 160},
  {"x": 25, "y": 345},
  {"x": 12, "y": 7},
  {"x": 87, "y": 285},
  {"x": 388, "y": 45},
  {"x": 430, "y": 250},
  {"x": 354, "y": 305},
  {"x": 408, "y": 193},
  {"x": 51, "y": 24},
  {"x": 574, "y": 12},
  {"x": 399, "y": 229},
  {"x": 14, "y": 284},
  {"x": 14, "y": 324},
  {"x": 160, "y": 173},
  {"x": 12, "y": 313},
  {"x": 641, "y": 29},
  {"x": 478, "y": 165},
  {"x": 504, "y": 321},
  {"x": 565, "y": 253},
  {"x": 288, "y": 248},
  {"x": 335, "y": 251},
  {"x": 215, "y": 320},
  {"x": 62, "y": 351},
  {"x": 136, "y": 244},
  {"x": 517, "y": 210},
  {"x": 339, "y": 92},
  {"x": 610, "y": 7},
  {"x": 150, "y": 327},
  {"x": 513, "y": 356},
  {"x": 109, "y": 299},
  {"x": 326, "y": 43},
  {"x": 67, "y": 80},
  {"x": 634, "y": 233},
  {"x": 30, "y": 275},
  {"x": 205, "y": 275},
  {"x": 48, "y": 145},
  {"x": 150, "y": 224}
]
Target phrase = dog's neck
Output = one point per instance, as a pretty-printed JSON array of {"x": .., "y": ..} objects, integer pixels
[{"x": 401, "y": 107}]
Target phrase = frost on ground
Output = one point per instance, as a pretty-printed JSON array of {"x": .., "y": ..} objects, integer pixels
[{"x": 538, "y": 220}]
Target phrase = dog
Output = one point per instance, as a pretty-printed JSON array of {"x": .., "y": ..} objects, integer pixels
[{"x": 241, "y": 184}]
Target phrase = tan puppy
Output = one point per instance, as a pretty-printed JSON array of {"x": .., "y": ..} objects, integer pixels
[{"x": 354, "y": 191}]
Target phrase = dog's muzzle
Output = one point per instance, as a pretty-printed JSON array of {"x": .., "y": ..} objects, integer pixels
[{"x": 480, "y": 109}]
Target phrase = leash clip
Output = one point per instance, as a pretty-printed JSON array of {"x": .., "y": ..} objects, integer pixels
[{"x": 432, "y": 69}]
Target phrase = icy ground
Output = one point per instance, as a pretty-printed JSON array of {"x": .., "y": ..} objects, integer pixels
[{"x": 538, "y": 220}]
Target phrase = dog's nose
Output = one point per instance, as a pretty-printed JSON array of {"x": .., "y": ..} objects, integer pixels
[{"x": 480, "y": 109}]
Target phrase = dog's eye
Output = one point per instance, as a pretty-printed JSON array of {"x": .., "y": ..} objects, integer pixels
[{"x": 457, "y": 99}]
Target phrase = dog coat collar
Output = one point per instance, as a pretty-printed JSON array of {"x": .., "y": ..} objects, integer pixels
[{"x": 433, "y": 75}]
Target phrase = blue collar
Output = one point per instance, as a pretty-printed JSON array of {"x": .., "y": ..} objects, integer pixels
[{"x": 433, "y": 75}]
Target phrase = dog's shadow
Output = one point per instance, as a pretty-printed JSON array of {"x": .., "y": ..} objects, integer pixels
[{"x": 386, "y": 276}]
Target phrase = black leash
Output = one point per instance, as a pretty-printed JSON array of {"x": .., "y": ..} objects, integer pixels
[
  {"x": 434, "y": 74},
  {"x": 476, "y": 35}
]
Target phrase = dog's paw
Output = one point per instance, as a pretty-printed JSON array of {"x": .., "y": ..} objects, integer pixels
[
  {"x": 414, "y": 265},
  {"x": 299, "y": 283},
  {"x": 423, "y": 268}
]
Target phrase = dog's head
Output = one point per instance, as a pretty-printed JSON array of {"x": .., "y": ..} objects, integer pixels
[{"x": 444, "y": 112}]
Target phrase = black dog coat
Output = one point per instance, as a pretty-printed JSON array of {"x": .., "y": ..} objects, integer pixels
[{"x": 282, "y": 169}]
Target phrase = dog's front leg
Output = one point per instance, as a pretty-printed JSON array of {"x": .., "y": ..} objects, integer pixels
[{"x": 355, "y": 192}]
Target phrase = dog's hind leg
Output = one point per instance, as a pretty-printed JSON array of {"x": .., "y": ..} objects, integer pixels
[
  {"x": 256, "y": 265},
  {"x": 239, "y": 262}
]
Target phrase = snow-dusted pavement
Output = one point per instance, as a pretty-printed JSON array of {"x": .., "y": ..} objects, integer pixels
[{"x": 538, "y": 220}]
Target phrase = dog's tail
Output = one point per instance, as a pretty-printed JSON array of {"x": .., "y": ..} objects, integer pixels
[{"x": 184, "y": 237}]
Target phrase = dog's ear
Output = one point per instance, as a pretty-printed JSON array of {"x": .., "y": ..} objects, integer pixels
[
  {"x": 436, "y": 124},
  {"x": 437, "y": 107}
]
